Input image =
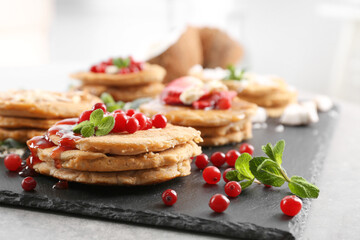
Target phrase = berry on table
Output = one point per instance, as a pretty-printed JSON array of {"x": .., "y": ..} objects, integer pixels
[
  {"x": 28, "y": 184},
  {"x": 231, "y": 157},
  {"x": 85, "y": 116},
  {"x": 12, "y": 162},
  {"x": 101, "y": 106},
  {"x": 132, "y": 125},
  {"x": 291, "y": 205},
  {"x": 233, "y": 189},
  {"x": 218, "y": 159},
  {"x": 225, "y": 172},
  {"x": 169, "y": 197},
  {"x": 219, "y": 203},
  {"x": 201, "y": 161},
  {"x": 246, "y": 148},
  {"x": 211, "y": 175},
  {"x": 159, "y": 121}
]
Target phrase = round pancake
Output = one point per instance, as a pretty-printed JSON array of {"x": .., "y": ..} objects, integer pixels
[
  {"x": 152, "y": 140},
  {"x": 187, "y": 116},
  {"x": 20, "y": 135},
  {"x": 18, "y": 122},
  {"x": 150, "y": 74},
  {"x": 272, "y": 99},
  {"x": 45, "y": 104},
  {"x": 100, "y": 162},
  {"x": 126, "y": 94},
  {"x": 131, "y": 178},
  {"x": 221, "y": 131}
]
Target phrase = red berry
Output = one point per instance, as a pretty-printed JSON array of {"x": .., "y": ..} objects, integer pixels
[
  {"x": 231, "y": 157},
  {"x": 12, "y": 162},
  {"x": 268, "y": 186},
  {"x": 130, "y": 112},
  {"x": 85, "y": 116},
  {"x": 224, "y": 103},
  {"x": 201, "y": 161},
  {"x": 218, "y": 159},
  {"x": 246, "y": 148},
  {"x": 233, "y": 189},
  {"x": 101, "y": 106},
  {"x": 142, "y": 120},
  {"x": 225, "y": 172},
  {"x": 169, "y": 197},
  {"x": 148, "y": 124},
  {"x": 159, "y": 121},
  {"x": 119, "y": 111},
  {"x": 120, "y": 122},
  {"x": 211, "y": 175},
  {"x": 100, "y": 68},
  {"x": 132, "y": 125},
  {"x": 219, "y": 203},
  {"x": 291, "y": 205},
  {"x": 93, "y": 69},
  {"x": 28, "y": 184}
]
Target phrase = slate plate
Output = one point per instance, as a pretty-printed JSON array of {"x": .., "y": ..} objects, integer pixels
[{"x": 255, "y": 214}]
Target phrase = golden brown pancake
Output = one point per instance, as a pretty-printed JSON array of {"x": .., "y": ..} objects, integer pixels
[
  {"x": 20, "y": 135},
  {"x": 18, "y": 122}
]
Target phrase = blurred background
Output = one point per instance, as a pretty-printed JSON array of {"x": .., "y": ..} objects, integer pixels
[{"x": 313, "y": 44}]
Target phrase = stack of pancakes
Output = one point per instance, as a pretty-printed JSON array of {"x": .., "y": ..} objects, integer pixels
[
  {"x": 142, "y": 158},
  {"x": 28, "y": 113},
  {"x": 124, "y": 87},
  {"x": 217, "y": 127}
]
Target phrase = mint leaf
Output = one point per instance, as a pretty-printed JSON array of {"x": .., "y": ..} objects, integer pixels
[
  {"x": 88, "y": 130},
  {"x": 107, "y": 98},
  {"x": 234, "y": 74},
  {"x": 268, "y": 150},
  {"x": 96, "y": 116},
  {"x": 234, "y": 175},
  {"x": 105, "y": 126},
  {"x": 121, "y": 62},
  {"x": 278, "y": 151},
  {"x": 246, "y": 183},
  {"x": 242, "y": 165},
  {"x": 267, "y": 174},
  {"x": 302, "y": 188},
  {"x": 77, "y": 128}
]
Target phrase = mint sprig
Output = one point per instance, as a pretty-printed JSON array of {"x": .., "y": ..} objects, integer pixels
[
  {"x": 234, "y": 74},
  {"x": 268, "y": 170},
  {"x": 121, "y": 62},
  {"x": 97, "y": 124},
  {"x": 110, "y": 103}
]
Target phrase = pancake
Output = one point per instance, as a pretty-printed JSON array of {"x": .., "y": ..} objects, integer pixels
[
  {"x": 150, "y": 74},
  {"x": 187, "y": 116},
  {"x": 20, "y": 135},
  {"x": 99, "y": 162},
  {"x": 272, "y": 99},
  {"x": 126, "y": 94},
  {"x": 18, "y": 122},
  {"x": 45, "y": 104},
  {"x": 132, "y": 178},
  {"x": 152, "y": 140},
  {"x": 221, "y": 131}
]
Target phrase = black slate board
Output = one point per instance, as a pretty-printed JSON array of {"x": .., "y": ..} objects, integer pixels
[{"x": 255, "y": 214}]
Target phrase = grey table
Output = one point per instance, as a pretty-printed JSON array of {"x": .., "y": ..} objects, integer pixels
[{"x": 334, "y": 215}]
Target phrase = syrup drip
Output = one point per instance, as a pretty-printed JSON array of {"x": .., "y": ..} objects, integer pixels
[{"x": 61, "y": 184}]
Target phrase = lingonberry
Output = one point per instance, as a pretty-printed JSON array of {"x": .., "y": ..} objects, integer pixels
[
  {"x": 291, "y": 205},
  {"x": 211, "y": 175},
  {"x": 28, "y": 184},
  {"x": 132, "y": 125},
  {"x": 169, "y": 197},
  {"x": 225, "y": 172},
  {"x": 120, "y": 122},
  {"x": 201, "y": 161},
  {"x": 142, "y": 120},
  {"x": 101, "y": 106},
  {"x": 218, "y": 159},
  {"x": 85, "y": 116},
  {"x": 246, "y": 148},
  {"x": 12, "y": 162},
  {"x": 231, "y": 157},
  {"x": 130, "y": 112},
  {"x": 159, "y": 121},
  {"x": 232, "y": 189},
  {"x": 219, "y": 203}
]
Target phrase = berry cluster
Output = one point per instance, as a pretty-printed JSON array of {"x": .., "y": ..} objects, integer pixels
[{"x": 121, "y": 65}]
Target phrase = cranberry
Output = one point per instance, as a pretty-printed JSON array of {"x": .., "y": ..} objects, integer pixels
[
  {"x": 219, "y": 203},
  {"x": 211, "y": 175},
  {"x": 85, "y": 116},
  {"x": 246, "y": 148},
  {"x": 120, "y": 122},
  {"x": 159, "y": 121},
  {"x": 101, "y": 106},
  {"x": 224, "y": 103},
  {"x": 142, "y": 120},
  {"x": 130, "y": 112},
  {"x": 93, "y": 69},
  {"x": 291, "y": 205},
  {"x": 201, "y": 161},
  {"x": 233, "y": 189},
  {"x": 231, "y": 157},
  {"x": 28, "y": 184},
  {"x": 132, "y": 125},
  {"x": 218, "y": 159},
  {"x": 225, "y": 172},
  {"x": 169, "y": 197},
  {"x": 12, "y": 162}
]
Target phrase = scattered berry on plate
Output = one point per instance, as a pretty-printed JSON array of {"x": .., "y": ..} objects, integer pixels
[
  {"x": 218, "y": 159},
  {"x": 231, "y": 157},
  {"x": 246, "y": 148},
  {"x": 291, "y": 205},
  {"x": 219, "y": 203},
  {"x": 28, "y": 184},
  {"x": 201, "y": 161},
  {"x": 169, "y": 197},
  {"x": 12, "y": 162},
  {"x": 233, "y": 189},
  {"x": 211, "y": 175},
  {"x": 225, "y": 172}
]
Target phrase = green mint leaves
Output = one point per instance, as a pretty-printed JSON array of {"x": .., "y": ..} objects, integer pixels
[
  {"x": 110, "y": 103},
  {"x": 234, "y": 74},
  {"x": 121, "y": 62},
  {"x": 268, "y": 170},
  {"x": 97, "y": 124}
]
